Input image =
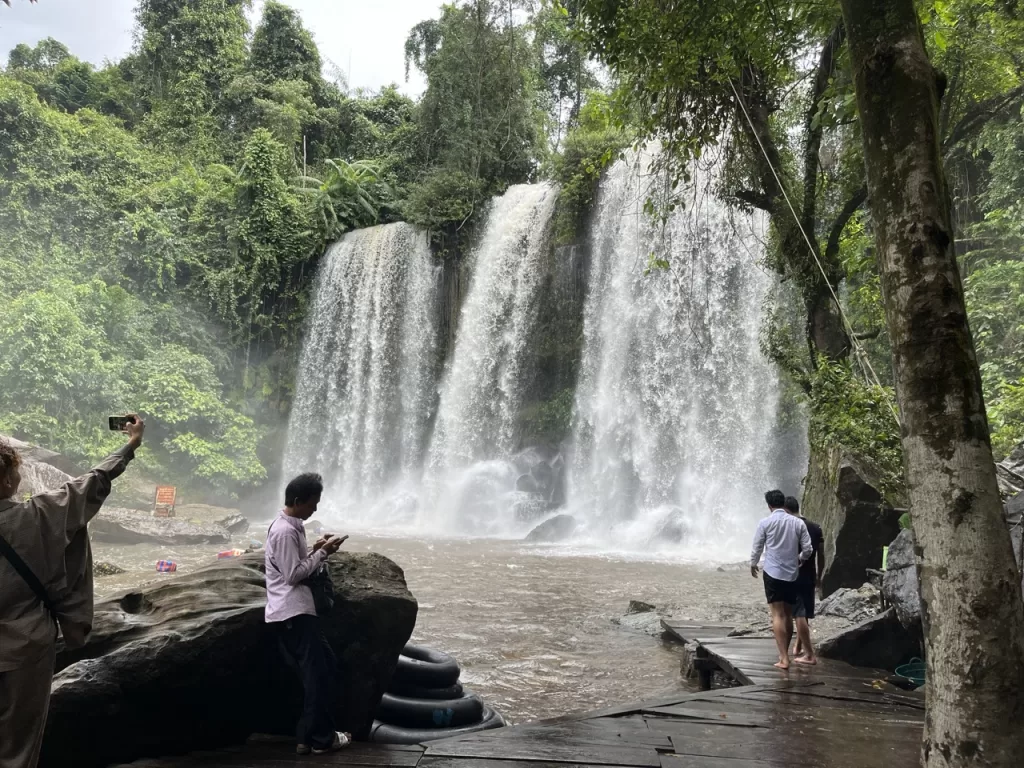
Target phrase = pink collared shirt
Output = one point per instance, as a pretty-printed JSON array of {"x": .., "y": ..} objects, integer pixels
[{"x": 289, "y": 563}]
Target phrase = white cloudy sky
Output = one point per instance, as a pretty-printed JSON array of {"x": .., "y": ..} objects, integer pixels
[{"x": 367, "y": 35}]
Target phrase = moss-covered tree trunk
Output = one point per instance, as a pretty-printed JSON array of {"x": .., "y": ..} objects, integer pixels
[{"x": 970, "y": 591}]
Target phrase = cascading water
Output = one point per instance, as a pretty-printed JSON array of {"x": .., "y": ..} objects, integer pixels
[
  {"x": 366, "y": 383},
  {"x": 675, "y": 405},
  {"x": 471, "y": 478}
]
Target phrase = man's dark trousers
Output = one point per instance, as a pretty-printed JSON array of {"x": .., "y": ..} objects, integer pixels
[{"x": 305, "y": 643}]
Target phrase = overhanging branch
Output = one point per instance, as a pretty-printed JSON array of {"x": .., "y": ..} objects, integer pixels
[{"x": 839, "y": 225}]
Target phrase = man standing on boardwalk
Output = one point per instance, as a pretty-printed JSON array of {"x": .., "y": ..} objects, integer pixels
[
  {"x": 807, "y": 584},
  {"x": 784, "y": 540}
]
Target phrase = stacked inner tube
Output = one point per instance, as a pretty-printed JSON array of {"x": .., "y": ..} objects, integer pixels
[{"x": 426, "y": 701}]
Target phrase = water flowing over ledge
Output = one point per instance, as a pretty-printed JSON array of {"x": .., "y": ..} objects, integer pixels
[{"x": 675, "y": 410}]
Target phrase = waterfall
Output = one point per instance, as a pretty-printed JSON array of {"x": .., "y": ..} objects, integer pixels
[
  {"x": 366, "y": 383},
  {"x": 483, "y": 388},
  {"x": 675, "y": 405}
]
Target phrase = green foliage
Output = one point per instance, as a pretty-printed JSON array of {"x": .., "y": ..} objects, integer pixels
[
  {"x": 480, "y": 119},
  {"x": 549, "y": 421},
  {"x": 588, "y": 149},
  {"x": 849, "y": 413},
  {"x": 282, "y": 49}
]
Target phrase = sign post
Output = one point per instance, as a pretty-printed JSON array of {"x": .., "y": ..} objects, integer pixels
[{"x": 163, "y": 504}]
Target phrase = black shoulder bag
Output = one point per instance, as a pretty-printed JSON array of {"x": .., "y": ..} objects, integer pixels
[
  {"x": 30, "y": 578},
  {"x": 320, "y": 584}
]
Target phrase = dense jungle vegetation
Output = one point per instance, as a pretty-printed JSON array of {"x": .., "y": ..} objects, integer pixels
[{"x": 162, "y": 216}]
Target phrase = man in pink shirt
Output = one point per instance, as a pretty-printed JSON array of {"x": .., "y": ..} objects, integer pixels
[{"x": 291, "y": 611}]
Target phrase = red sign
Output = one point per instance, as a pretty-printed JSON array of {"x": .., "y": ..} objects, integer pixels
[{"x": 165, "y": 495}]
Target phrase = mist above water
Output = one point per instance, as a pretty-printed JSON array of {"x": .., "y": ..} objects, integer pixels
[{"x": 675, "y": 408}]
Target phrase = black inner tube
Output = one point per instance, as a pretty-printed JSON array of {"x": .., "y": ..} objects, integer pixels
[
  {"x": 430, "y": 713},
  {"x": 383, "y": 733},
  {"x": 419, "y": 692},
  {"x": 426, "y": 668}
]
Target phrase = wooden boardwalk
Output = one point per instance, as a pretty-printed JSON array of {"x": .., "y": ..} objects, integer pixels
[{"x": 829, "y": 716}]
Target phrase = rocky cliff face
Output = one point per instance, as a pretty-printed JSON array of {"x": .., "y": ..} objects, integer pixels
[
  {"x": 188, "y": 663},
  {"x": 841, "y": 495}
]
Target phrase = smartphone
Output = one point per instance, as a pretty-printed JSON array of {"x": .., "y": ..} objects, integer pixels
[{"x": 118, "y": 423}]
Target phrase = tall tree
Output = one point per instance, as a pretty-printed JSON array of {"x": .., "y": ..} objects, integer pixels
[
  {"x": 181, "y": 39},
  {"x": 970, "y": 587},
  {"x": 480, "y": 118},
  {"x": 282, "y": 49}
]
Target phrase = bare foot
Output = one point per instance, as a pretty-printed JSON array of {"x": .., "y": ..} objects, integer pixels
[
  {"x": 807, "y": 660},
  {"x": 782, "y": 664}
]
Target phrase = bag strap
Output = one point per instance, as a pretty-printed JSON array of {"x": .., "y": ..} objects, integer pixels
[{"x": 26, "y": 573}]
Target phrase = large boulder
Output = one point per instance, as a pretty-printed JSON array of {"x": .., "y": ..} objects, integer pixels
[
  {"x": 842, "y": 496},
  {"x": 188, "y": 663},
  {"x": 41, "y": 470},
  {"x": 124, "y": 526},
  {"x": 558, "y": 528},
  {"x": 880, "y": 642},
  {"x": 853, "y": 604},
  {"x": 899, "y": 585}
]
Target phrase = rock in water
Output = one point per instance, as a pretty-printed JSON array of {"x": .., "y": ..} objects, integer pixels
[
  {"x": 107, "y": 569},
  {"x": 123, "y": 526},
  {"x": 558, "y": 528},
  {"x": 235, "y": 523},
  {"x": 843, "y": 497},
  {"x": 639, "y": 606},
  {"x": 853, "y": 604},
  {"x": 899, "y": 585},
  {"x": 1010, "y": 472},
  {"x": 188, "y": 663}
]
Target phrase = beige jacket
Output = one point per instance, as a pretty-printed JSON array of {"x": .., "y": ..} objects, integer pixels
[{"x": 49, "y": 533}]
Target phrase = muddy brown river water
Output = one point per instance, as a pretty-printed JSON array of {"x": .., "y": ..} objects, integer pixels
[{"x": 532, "y": 626}]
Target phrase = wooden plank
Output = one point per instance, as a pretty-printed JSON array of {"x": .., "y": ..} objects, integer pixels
[
  {"x": 460, "y": 762},
  {"x": 666, "y": 700},
  {"x": 695, "y": 761},
  {"x": 725, "y": 718},
  {"x": 687, "y": 632},
  {"x": 555, "y": 751},
  {"x": 600, "y": 731}
]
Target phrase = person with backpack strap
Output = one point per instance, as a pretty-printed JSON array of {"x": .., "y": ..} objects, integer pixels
[{"x": 47, "y": 586}]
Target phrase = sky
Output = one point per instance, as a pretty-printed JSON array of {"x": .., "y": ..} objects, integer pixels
[{"x": 361, "y": 37}]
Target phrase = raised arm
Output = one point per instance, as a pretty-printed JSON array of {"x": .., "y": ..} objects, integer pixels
[{"x": 79, "y": 500}]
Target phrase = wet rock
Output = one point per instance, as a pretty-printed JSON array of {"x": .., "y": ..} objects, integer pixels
[
  {"x": 899, "y": 585},
  {"x": 1010, "y": 473},
  {"x": 558, "y": 528},
  {"x": 123, "y": 526},
  {"x": 107, "y": 569},
  {"x": 853, "y": 604},
  {"x": 235, "y": 523},
  {"x": 648, "y": 622},
  {"x": 881, "y": 642},
  {"x": 842, "y": 496},
  {"x": 530, "y": 509},
  {"x": 639, "y": 606},
  {"x": 672, "y": 526},
  {"x": 188, "y": 663}
]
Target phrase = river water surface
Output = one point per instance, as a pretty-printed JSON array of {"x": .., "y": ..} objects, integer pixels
[{"x": 531, "y": 626}]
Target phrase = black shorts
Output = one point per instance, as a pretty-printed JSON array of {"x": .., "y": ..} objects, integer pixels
[
  {"x": 778, "y": 591},
  {"x": 804, "y": 601}
]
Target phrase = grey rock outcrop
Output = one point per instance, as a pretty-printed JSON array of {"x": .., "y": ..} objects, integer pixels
[
  {"x": 899, "y": 585},
  {"x": 188, "y": 663},
  {"x": 880, "y": 642},
  {"x": 558, "y": 528},
  {"x": 857, "y": 522},
  {"x": 853, "y": 604},
  {"x": 1010, "y": 473},
  {"x": 124, "y": 526}
]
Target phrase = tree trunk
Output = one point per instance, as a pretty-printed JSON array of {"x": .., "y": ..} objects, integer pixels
[{"x": 970, "y": 591}]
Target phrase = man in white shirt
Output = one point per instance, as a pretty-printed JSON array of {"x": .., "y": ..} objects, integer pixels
[
  {"x": 785, "y": 542},
  {"x": 291, "y": 611}
]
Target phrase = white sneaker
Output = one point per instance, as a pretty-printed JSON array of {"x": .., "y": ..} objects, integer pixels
[{"x": 341, "y": 740}]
